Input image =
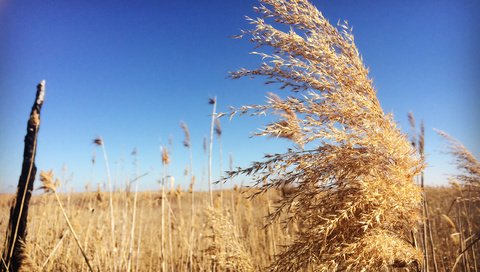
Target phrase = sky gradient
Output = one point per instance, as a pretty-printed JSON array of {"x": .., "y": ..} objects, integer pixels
[{"x": 130, "y": 72}]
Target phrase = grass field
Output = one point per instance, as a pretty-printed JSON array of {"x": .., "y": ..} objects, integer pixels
[
  {"x": 347, "y": 195},
  {"x": 230, "y": 237}
]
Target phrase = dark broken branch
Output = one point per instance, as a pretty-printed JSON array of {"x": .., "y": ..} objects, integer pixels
[{"x": 17, "y": 227}]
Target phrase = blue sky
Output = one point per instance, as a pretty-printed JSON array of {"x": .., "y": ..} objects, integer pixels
[{"x": 131, "y": 71}]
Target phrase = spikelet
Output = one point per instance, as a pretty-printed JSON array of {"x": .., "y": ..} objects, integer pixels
[
  {"x": 218, "y": 127},
  {"x": 287, "y": 127},
  {"x": 186, "y": 131},
  {"x": 48, "y": 185},
  {"x": 192, "y": 183},
  {"x": 178, "y": 192},
  {"x": 381, "y": 250},
  {"x": 99, "y": 196},
  {"x": 454, "y": 234},
  {"x": 449, "y": 222},
  {"x": 165, "y": 156}
]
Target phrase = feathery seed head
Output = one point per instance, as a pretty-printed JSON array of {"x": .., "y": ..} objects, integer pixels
[
  {"x": 165, "y": 156},
  {"x": 186, "y": 131},
  {"x": 218, "y": 127},
  {"x": 48, "y": 183},
  {"x": 354, "y": 181}
]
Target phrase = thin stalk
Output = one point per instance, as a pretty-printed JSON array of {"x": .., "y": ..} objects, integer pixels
[
  {"x": 218, "y": 132},
  {"x": 220, "y": 165},
  {"x": 134, "y": 219},
  {"x": 170, "y": 245},
  {"x": 72, "y": 231},
  {"x": 415, "y": 244},
  {"x": 112, "y": 219},
  {"x": 163, "y": 228},
  {"x": 192, "y": 216},
  {"x": 462, "y": 238},
  {"x": 165, "y": 161},
  {"x": 432, "y": 245},
  {"x": 214, "y": 115},
  {"x": 124, "y": 234},
  {"x": 421, "y": 151},
  {"x": 4, "y": 264},
  {"x": 232, "y": 201},
  {"x": 424, "y": 229},
  {"x": 57, "y": 246}
]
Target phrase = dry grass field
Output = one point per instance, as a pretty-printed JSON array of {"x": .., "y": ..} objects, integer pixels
[
  {"x": 348, "y": 195},
  {"x": 229, "y": 237}
]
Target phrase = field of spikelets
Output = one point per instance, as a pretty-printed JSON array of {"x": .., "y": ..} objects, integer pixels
[{"x": 349, "y": 195}]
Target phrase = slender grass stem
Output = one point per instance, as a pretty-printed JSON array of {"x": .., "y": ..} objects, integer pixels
[{"x": 70, "y": 227}]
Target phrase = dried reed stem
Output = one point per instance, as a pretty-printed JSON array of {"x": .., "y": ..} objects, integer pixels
[
  {"x": 218, "y": 132},
  {"x": 214, "y": 116},
  {"x": 188, "y": 144},
  {"x": 55, "y": 248},
  {"x": 430, "y": 237},
  {"x": 165, "y": 162},
  {"x": 134, "y": 218},
  {"x": 101, "y": 142}
]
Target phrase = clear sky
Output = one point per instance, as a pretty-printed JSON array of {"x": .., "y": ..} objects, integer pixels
[{"x": 130, "y": 71}]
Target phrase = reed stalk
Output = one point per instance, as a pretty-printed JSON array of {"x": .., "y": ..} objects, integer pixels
[
  {"x": 188, "y": 144},
  {"x": 165, "y": 163},
  {"x": 212, "y": 102},
  {"x": 218, "y": 132},
  {"x": 100, "y": 142},
  {"x": 134, "y": 219}
]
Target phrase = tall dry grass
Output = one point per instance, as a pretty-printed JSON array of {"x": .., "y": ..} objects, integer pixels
[
  {"x": 463, "y": 213},
  {"x": 52, "y": 247},
  {"x": 353, "y": 170},
  {"x": 343, "y": 198}
]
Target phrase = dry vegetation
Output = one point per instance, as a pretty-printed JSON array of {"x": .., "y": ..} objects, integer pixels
[
  {"x": 227, "y": 237},
  {"x": 230, "y": 237},
  {"x": 348, "y": 196}
]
